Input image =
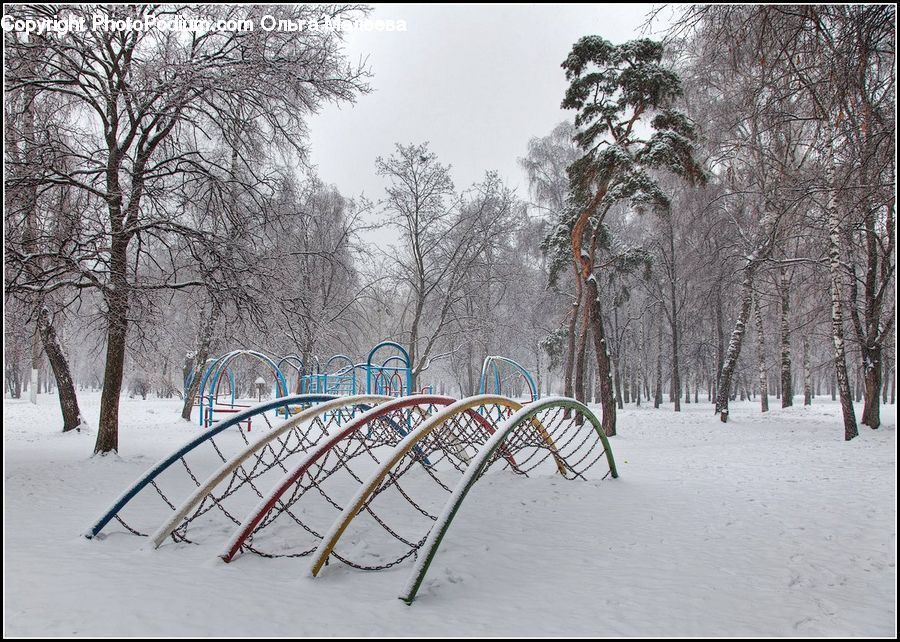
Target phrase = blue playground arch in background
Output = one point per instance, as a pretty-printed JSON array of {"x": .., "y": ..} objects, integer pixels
[
  {"x": 381, "y": 379},
  {"x": 387, "y": 371},
  {"x": 211, "y": 380},
  {"x": 491, "y": 363}
]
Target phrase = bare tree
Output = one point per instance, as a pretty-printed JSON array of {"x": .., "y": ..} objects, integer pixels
[
  {"x": 440, "y": 235},
  {"x": 142, "y": 97}
]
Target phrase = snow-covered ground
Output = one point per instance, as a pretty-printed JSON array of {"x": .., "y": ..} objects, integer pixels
[{"x": 770, "y": 525}]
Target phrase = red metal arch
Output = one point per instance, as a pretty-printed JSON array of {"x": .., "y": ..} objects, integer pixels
[{"x": 252, "y": 521}]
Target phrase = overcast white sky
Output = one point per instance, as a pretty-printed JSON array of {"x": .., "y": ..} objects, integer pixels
[{"x": 477, "y": 81}]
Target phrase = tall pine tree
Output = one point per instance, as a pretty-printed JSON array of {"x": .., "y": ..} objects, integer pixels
[{"x": 627, "y": 129}]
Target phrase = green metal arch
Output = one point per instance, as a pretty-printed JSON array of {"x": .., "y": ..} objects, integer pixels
[
  {"x": 474, "y": 471},
  {"x": 406, "y": 445}
]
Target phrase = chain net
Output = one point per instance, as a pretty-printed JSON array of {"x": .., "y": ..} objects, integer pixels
[
  {"x": 159, "y": 499},
  {"x": 295, "y": 524},
  {"x": 397, "y": 516},
  {"x": 221, "y": 509}
]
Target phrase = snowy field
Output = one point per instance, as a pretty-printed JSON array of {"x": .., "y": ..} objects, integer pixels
[{"x": 771, "y": 525}]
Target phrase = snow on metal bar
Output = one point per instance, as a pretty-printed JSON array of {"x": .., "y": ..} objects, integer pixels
[
  {"x": 148, "y": 478},
  {"x": 522, "y": 421},
  {"x": 435, "y": 428},
  {"x": 236, "y": 465}
]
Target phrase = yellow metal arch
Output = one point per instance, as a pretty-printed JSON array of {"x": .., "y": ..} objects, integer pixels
[{"x": 352, "y": 508}]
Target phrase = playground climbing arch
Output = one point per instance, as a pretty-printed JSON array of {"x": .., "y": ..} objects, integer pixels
[{"x": 388, "y": 471}]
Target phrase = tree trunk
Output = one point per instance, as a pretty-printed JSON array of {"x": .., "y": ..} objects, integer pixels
[
  {"x": 807, "y": 374},
  {"x": 787, "y": 384},
  {"x": 34, "y": 386},
  {"x": 657, "y": 388},
  {"x": 885, "y": 384},
  {"x": 204, "y": 341},
  {"x": 768, "y": 225},
  {"x": 676, "y": 376},
  {"x": 580, "y": 355},
  {"x": 894, "y": 385},
  {"x": 761, "y": 359},
  {"x": 618, "y": 385},
  {"x": 117, "y": 329},
  {"x": 872, "y": 379},
  {"x": 871, "y": 329},
  {"x": 412, "y": 348},
  {"x": 470, "y": 386},
  {"x": 568, "y": 385},
  {"x": 68, "y": 401},
  {"x": 17, "y": 385},
  {"x": 636, "y": 384},
  {"x": 618, "y": 358},
  {"x": 720, "y": 337},
  {"x": 607, "y": 400},
  {"x": 734, "y": 346},
  {"x": 837, "y": 313}
]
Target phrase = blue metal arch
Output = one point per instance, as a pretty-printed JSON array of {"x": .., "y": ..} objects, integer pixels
[
  {"x": 201, "y": 393},
  {"x": 148, "y": 477},
  {"x": 392, "y": 344},
  {"x": 396, "y": 357},
  {"x": 491, "y": 361},
  {"x": 349, "y": 361},
  {"x": 403, "y": 358},
  {"x": 343, "y": 381},
  {"x": 206, "y": 369},
  {"x": 231, "y": 356},
  {"x": 218, "y": 367}
]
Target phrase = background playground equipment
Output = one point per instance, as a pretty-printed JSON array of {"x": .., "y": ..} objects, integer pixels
[
  {"x": 209, "y": 394},
  {"x": 394, "y": 374},
  {"x": 492, "y": 372},
  {"x": 387, "y": 370},
  {"x": 497, "y": 370},
  {"x": 405, "y": 463},
  {"x": 381, "y": 374},
  {"x": 342, "y": 381}
]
